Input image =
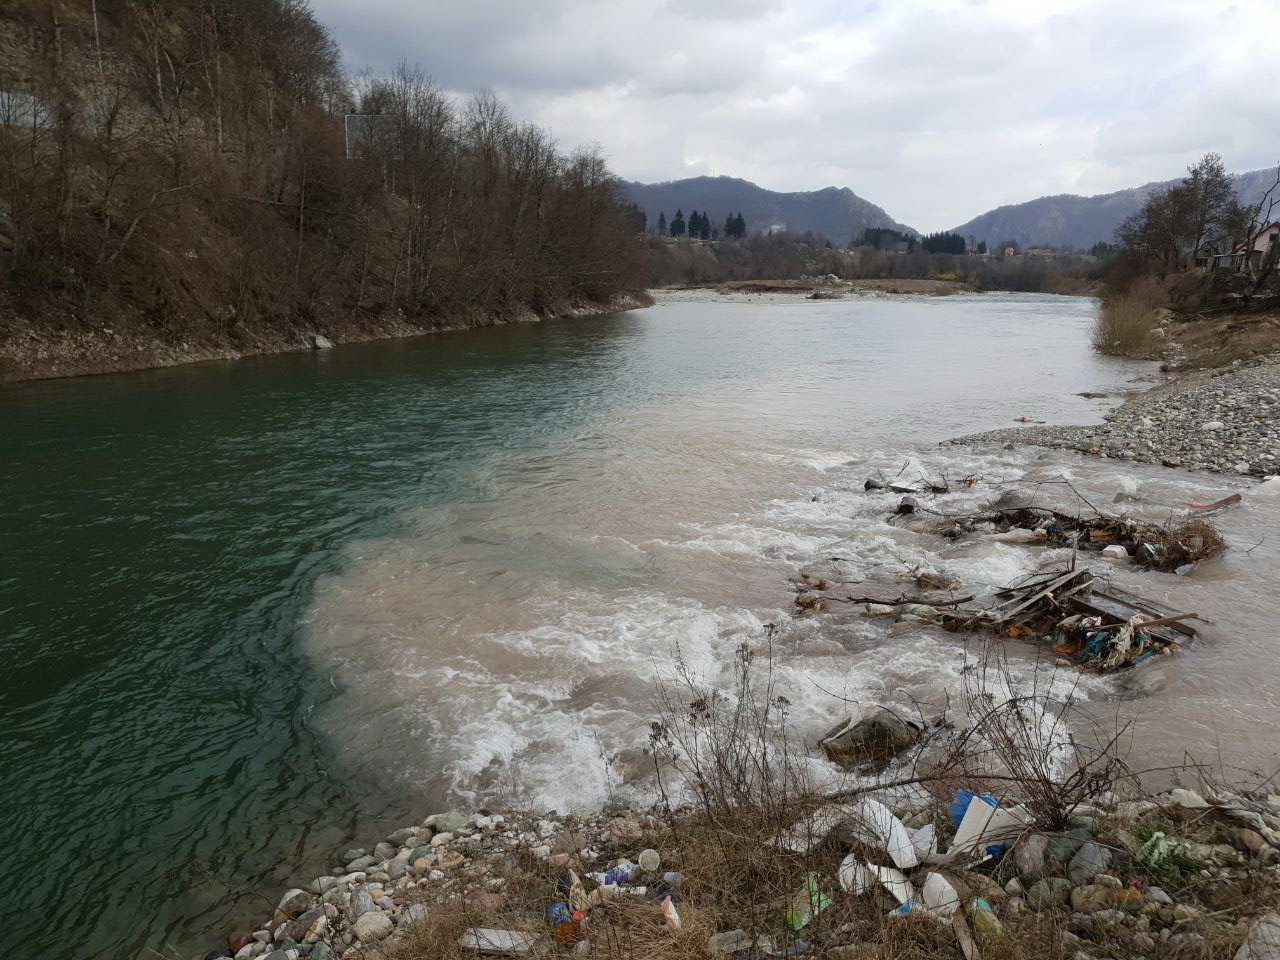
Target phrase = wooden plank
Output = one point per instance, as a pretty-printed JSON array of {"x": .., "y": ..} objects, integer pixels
[{"x": 1041, "y": 594}]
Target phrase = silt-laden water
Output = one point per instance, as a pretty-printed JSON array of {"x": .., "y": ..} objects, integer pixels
[{"x": 250, "y": 611}]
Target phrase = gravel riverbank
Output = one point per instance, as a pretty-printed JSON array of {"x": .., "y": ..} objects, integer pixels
[
  {"x": 1172, "y": 874},
  {"x": 1221, "y": 421}
]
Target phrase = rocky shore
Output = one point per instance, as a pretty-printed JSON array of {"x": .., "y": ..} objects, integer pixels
[
  {"x": 41, "y": 351},
  {"x": 1177, "y": 874},
  {"x": 1221, "y": 421}
]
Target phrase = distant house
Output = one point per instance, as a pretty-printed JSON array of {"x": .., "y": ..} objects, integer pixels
[
  {"x": 1266, "y": 240},
  {"x": 1206, "y": 256},
  {"x": 1010, "y": 251}
]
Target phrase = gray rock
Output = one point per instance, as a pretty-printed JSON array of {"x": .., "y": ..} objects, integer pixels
[
  {"x": 1048, "y": 893},
  {"x": 1262, "y": 942},
  {"x": 1090, "y": 860},
  {"x": 361, "y": 903},
  {"x": 730, "y": 941},
  {"x": 449, "y": 822},
  {"x": 373, "y": 926},
  {"x": 413, "y": 913},
  {"x": 399, "y": 838},
  {"x": 322, "y": 951},
  {"x": 396, "y": 869},
  {"x": 1028, "y": 855},
  {"x": 323, "y": 884},
  {"x": 355, "y": 853},
  {"x": 1062, "y": 847},
  {"x": 881, "y": 735},
  {"x": 321, "y": 342},
  {"x": 1091, "y": 898},
  {"x": 361, "y": 863},
  {"x": 1157, "y": 895},
  {"x": 385, "y": 851}
]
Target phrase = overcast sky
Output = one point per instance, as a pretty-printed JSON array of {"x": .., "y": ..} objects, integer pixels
[{"x": 936, "y": 111}]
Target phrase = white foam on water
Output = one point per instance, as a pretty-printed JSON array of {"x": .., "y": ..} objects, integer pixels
[{"x": 538, "y": 685}]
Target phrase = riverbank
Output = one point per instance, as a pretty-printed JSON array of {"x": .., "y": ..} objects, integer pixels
[
  {"x": 1219, "y": 420},
  {"x": 917, "y": 869},
  {"x": 812, "y": 288},
  {"x": 42, "y": 351}
]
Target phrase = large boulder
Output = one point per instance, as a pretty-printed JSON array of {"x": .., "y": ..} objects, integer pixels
[{"x": 882, "y": 735}]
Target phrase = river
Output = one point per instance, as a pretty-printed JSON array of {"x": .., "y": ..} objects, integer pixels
[{"x": 251, "y": 611}]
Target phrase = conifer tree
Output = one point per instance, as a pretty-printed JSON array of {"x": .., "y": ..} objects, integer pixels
[{"x": 677, "y": 224}]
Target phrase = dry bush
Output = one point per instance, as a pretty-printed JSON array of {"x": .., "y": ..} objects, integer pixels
[{"x": 1125, "y": 322}]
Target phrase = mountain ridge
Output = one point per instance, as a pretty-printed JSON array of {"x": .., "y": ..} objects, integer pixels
[
  {"x": 1073, "y": 220},
  {"x": 835, "y": 212}
]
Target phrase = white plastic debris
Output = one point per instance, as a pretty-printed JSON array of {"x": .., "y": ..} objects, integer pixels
[
  {"x": 984, "y": 825},
  {"x": 894, "y": 881},
  {"x": 488, "y": 940},
  {"x": 939, "y": 897},
  {"x": 854, "y": 876},
  {"x": 925, "y": 841},
  {"x": 876, "y": 825},
  {"x": 813, "y": 829}
]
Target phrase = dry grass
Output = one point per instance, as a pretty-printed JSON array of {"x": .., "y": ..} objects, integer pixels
[{"x": 1125, "y": 322}]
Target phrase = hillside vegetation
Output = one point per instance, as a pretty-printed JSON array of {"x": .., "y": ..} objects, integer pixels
[
  {"x": 837, "y": 213},
  {"x": 1076, "y": 222},
  {"x": 192, "y": 180}
]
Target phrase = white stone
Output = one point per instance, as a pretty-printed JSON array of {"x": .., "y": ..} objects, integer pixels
[
  {"x": 441, "y": 839},
  {"x": 321, "y": 342},
  {"x": 1213, "y": 425},
  {"x": 373, "y": 925}
]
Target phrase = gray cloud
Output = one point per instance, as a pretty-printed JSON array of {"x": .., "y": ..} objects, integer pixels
[{"x": 935, "y": 109}]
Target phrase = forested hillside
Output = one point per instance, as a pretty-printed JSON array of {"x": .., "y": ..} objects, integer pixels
[
  {"x": 186, "y": 173},
  {"x": 1071, "y": 221},
  {"x": 837, "y": 213}
]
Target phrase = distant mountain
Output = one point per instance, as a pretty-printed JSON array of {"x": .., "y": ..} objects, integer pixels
[
  {"x": 1067, "y": 220},
  {"x": 835, "y": 212}
]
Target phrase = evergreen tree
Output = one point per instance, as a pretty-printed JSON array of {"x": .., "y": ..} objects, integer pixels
[
  {"x": 662, "y": 223},
  {"x": 739, "y": 226},
  {"x": 677, "y": 224},
  {"x": 704, "y": 226}
]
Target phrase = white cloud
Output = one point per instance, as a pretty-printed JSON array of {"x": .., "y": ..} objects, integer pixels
[{"x": 934, "y": 110}]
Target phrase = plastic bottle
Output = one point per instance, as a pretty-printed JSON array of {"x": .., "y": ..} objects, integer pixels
[{"x": 985, "y": 923}]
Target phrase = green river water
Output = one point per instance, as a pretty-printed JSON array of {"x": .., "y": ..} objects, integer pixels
[{"x": 251, "y": 611}]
